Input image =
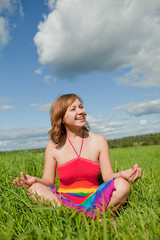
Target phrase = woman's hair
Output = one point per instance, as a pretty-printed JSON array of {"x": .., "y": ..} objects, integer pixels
[{"x": 57, "y": 112}]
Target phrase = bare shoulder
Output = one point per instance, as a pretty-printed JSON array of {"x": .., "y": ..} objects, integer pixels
[
  {"x": 97, "y": 136},
  {"x": 51, "y": 147},
  {"x": 50, "y": 144},
  {"x": 98, "y": 139}
]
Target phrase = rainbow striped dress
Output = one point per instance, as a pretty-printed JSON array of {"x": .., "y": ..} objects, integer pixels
[{"x": 79, "y": 187}]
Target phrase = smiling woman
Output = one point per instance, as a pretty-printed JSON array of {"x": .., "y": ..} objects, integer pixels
[
  {"x": 78, "y": 155},
  {"x": 60, "y": 110}
]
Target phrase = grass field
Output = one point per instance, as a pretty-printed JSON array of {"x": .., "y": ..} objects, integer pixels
[{"x": 22, "y": 218}]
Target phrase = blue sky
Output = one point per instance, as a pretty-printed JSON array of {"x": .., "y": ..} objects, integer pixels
[{"x": 105, "y": 51}]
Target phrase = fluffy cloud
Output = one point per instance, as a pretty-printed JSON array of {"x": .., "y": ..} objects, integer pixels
[
  {"x": 82, "y": 36},
  {"x": 7, "y": 107},
  {"x": 23, "y": 139},
  {"x": 112, "y": 130},
  {"x": 143, "y": 122},
  {"x": 4, "y": 104},
  {"x": 108, "y": 129},
  {"x": 44, "y": 107},
  {"x": 52, "y": 4},
  {"x": 4, "y": 32},
  {"x": 38, "y": 71},
  {"x": 7, "y": 6},
  {"x": 142, "y": 108},
  {"x": 156, "y": 122},
  {"x": 47, "y": 79},
  {"x": 4, "y": 100}
]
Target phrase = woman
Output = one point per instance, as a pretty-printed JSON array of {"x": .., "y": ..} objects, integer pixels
[{"x": 78, "y": 155}]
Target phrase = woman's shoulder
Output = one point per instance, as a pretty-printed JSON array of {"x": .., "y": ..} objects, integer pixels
[
  {"x": 51, "y": 146},
  {"x": 97, "y": 137},
  {"x": 54, "y": 147}
]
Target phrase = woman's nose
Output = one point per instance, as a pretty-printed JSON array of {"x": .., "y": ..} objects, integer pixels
[{"x": 80, "y": 111}]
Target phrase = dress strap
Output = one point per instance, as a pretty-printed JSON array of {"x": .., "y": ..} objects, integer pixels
[{"x": 78, "y": 155}]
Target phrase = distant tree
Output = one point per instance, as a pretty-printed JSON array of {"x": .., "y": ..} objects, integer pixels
[{"x": 139, "y": 140}]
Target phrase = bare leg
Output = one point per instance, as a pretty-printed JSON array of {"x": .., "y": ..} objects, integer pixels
[
  {"x": 119, "y": 196},
  {"x": 42, "y": 191}
]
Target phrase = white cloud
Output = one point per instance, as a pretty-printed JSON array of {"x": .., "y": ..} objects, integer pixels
[
  {"x": 23, "y": 139},
  {"x": 20, "y": 9},
  {"x": 108, "y": 129},
  {"x": 34, "y": 105},
  {"x": 4, "y": 32},
  {"x": 7, "y": 7},
  {"x": 82, "y": 36},
  {"x": 116, "y": 124},
  {"x": 4, "y": 100},
  {"x": 44, "y": 107},
  {"x": 113, "y": 130},
  {"x": 143, "y": 122},
  {"x": 156, "y": 122},
  {"x": 7, "y": 107},
  {"x": 38, "y": 71},
  {"x": 4, "y": 104},
  {"x": 52, "y": 4},
  {"x": 125, "y": 118},
  {"x": 47, "y": 79},
  {"x": 141, "y": 108}
]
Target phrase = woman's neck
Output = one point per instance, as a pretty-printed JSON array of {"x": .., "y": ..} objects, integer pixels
[{"x": 73, "y": 133}]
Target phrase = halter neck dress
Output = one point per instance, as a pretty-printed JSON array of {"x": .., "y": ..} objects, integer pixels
[{"x": 79, "y": 187}]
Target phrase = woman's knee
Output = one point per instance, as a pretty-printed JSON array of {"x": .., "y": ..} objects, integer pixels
[
  {"x": 122, "y": 186},
  {"x": 35, "y": 190},
  {"x": 35, "y": 187},
  {"x": 40, "y": 192}
]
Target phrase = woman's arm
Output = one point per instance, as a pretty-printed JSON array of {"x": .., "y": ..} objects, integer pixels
[
  {"x": 104, "y": 159},
  {"x": 49, "y": 172},
  {"x": 106, "y": 167}
]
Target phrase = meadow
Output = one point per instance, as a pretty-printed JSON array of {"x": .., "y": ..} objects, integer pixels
[{"x": 22, "y": 218}]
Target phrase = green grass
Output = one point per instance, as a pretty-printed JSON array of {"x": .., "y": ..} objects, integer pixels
[{"x": 22, "y": 218}]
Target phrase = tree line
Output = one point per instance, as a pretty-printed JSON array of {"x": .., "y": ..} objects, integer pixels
[{"x": 133, "y": 141}]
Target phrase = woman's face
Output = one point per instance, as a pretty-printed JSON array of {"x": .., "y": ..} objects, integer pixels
[{"x": 75, "y": 115}]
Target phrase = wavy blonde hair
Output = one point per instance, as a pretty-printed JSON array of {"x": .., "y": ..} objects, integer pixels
[{"x": 57, "y": 112}]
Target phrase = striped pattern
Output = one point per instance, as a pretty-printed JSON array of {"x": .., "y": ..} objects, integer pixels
[{"x": 79, "y": 187}]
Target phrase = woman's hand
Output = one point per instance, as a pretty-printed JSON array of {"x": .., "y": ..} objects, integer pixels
[
  {"x": 132, "y": 174},
  {"x": 26, "y": 180}
]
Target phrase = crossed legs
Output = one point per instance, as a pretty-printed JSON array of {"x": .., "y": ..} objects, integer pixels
[{"x": 118, "y": 198}]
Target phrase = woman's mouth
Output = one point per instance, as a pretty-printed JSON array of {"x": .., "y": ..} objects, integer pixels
[{"x": 80, "y": 118}]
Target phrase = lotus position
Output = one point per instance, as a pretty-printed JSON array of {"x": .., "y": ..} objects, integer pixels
[{"x": 78, "y": 155}]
